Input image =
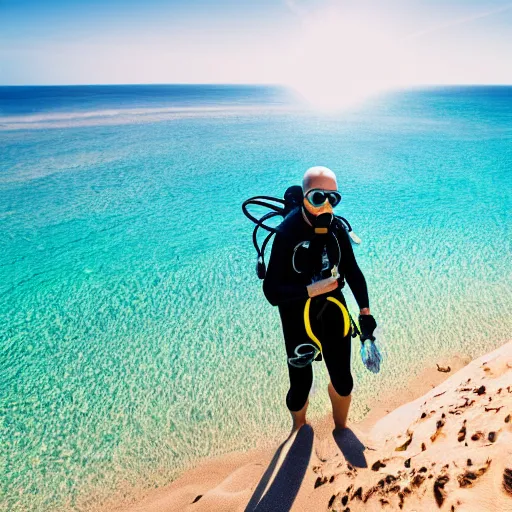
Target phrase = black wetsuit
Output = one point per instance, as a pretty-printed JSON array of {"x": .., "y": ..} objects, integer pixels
[{"x": 292, "y": 267}]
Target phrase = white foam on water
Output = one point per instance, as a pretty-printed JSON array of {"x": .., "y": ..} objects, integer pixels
[{"x": 127, "y": 116}]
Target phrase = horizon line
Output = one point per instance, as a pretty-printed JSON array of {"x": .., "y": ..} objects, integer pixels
[{"x": 249, "y": 84}]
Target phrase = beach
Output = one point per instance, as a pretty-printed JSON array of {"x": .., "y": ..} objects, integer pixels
[{"x": 450, "y": 448}]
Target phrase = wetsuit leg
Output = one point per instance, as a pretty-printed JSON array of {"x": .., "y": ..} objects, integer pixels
[
  {"x": 301, "y": 379},
  {"x": 337, "y": 348}
]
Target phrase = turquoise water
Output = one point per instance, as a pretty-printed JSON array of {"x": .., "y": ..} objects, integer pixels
[{"x": 135, "y": 336}]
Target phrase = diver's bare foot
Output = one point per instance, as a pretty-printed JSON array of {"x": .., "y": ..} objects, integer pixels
[
  {"x": 299, "y": 418},
  {"x": 340, "y": 407}
]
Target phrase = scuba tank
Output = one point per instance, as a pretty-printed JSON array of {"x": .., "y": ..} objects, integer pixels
[{"x": 293, "y": 198}]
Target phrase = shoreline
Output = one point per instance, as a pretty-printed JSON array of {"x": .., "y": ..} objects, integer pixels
[{"x": 233, "y": 477}]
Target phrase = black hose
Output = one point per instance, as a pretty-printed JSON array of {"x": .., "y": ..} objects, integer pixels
[
  {"x": 257, "y": 200},
  {"x": 265, "y": 242},
  {"x": 346, "y": 222},
  {"x": 260, "y": 224}
]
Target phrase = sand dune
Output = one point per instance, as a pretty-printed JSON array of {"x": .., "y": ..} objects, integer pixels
[{"x": 450, "y": 449}]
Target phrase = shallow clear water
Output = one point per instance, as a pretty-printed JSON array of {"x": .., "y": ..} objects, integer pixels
[{"x": 135, "y": 336}]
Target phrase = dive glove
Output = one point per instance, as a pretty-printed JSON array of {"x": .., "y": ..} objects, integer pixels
[{"x": 367, "y": 325}]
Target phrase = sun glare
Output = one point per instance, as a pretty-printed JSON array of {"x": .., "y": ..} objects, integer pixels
[{"x": 340, "y": 62}]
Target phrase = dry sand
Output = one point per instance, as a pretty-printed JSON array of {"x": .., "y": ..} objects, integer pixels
[{"x": 450, "y": 449}]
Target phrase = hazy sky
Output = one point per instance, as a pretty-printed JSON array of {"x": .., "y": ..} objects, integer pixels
[{"x": 362, "y": 43}]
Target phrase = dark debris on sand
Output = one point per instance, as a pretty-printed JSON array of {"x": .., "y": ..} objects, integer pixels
[
  {"x": 404, "y": 446},
  {"x": 321, "y": 480},
  {"x": 507, "y": 480},
  {"x": 439, "y": 427},
  {"x": 377, "y": 465},
  {"x": 461, "y": 436},
  {"x": 467, "y": 479},
  {"x": 480, "y": 390},
  {"x": 439, "y": 493}
]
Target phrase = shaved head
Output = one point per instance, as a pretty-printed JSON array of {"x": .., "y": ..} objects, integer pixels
[{"x": 319, "y": 177}]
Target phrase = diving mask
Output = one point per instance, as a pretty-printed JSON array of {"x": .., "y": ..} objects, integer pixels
[
  {"x": 317, "y": 197},
  {"x": 318, "y": 207}
]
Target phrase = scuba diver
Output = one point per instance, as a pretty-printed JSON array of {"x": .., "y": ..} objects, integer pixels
[{"x": 311, "y": 258}]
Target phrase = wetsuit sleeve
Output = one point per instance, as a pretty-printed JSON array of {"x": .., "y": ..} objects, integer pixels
[
  {"x": 353, "y": 274},
  {"x": 276, "y": 287}
]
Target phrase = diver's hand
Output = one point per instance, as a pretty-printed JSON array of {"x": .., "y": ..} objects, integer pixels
[
  {"x": 367, "y": 325},
  {"x": 323, "y": 286}
]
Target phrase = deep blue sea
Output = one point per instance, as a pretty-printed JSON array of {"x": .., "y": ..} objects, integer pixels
[{"x": 134, "y": 333}]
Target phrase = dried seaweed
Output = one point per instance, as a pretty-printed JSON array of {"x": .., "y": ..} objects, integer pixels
[
  {"x": 404, "y": 446},
  {"x": 439, "y": 493},
  {"x": 507, "y": 480}
]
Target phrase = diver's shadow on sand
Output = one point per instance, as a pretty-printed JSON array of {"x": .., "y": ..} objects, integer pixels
[
  {"x": 279, "y": 493},
  {"x": 351, "y": 447}
]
